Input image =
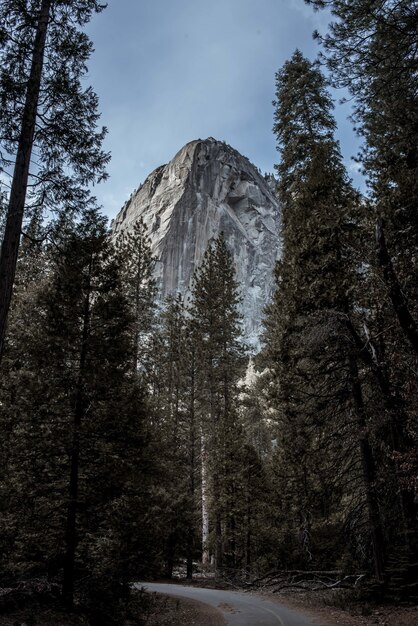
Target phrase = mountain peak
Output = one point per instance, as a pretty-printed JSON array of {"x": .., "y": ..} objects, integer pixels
[{"x": 209, "y": 187}]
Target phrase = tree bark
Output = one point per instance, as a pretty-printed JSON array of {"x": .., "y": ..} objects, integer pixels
[
  {"x": 218, "y": 536},
  {"x": 400, "y": 440},
  {"x": 171, "y": 544},
  {"x": 406, "y": 321},
  {"x": 205, "y": 504},
  {"x": 15, "y": 211},
  {"x": 369, "y": 476},
  {"x": 248, "y": 539},
  {"x": 190, "y": 530}
]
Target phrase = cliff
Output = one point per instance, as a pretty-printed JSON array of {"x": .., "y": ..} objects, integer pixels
[{"x": 208, "y": 187}]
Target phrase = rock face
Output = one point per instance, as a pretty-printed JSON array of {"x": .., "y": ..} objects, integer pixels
[{"x": 209, "y": 188}]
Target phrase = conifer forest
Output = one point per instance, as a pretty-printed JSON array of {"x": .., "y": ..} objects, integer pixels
[{"x": 143, "y": 440}]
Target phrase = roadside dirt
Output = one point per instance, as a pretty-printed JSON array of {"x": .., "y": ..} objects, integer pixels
[
  {"x": 180, "y": 612},
  {"x": 163, "y": 611},
  {"x": 356, "y": 615},
  {"x": 41, "y": 616}
]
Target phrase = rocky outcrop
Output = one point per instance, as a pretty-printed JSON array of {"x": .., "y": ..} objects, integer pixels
[{"x": 208, "y": 187}]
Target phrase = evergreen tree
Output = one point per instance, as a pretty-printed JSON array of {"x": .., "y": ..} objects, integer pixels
[
  {"x": 218, "y": 351},
  {"x": 45, "y": 107},
  {"x": 139, "y": 286},
  {"x": 80, "y": 439},
  {"x": 257, "y": 547},
  {"x": 174, "y": 400},
  {"x": 370, "y": 48},
  {"x": 315, "y": 367},
  {"x": 20, "y": 435}
]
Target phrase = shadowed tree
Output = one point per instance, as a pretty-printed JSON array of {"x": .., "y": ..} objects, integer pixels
[
  {"x": 314, "y": 365},
  {"x": 48, "y": 120},
  {"x": 216, "y": 329},
  {"x": 371, "y": 49}
]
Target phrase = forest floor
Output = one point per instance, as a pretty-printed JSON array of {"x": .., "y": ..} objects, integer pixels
[
  {"x": 38, "y": 615},
  {"x": 162, "y": 611},
  {"x": 327, "y": 611}
]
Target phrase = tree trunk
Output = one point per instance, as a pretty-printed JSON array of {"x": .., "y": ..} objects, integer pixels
[
  {"x": 218, "y": 540},
  {"x": 171, "y": 544},
  {"x": 369, "y": 477},
  {"x": 248, "y": 543},
  {"x": 189, "y": 555},
  {"x": 232, "y": 541},
  {"x": 406, "y": 321},
  {"x": 205, "y": 504},
  {"x": 79, "y": 411},
  {"x": 400, "y": 440},
  {"x": 14, "y": 219},
  {"x": 190, "y": 530}
]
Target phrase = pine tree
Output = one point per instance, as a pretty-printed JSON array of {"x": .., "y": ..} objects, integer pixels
[
  {"x": 45, "y": 107},
  {"x": 81, "y": 439},
  {"x": 138, "y": 266},
  {"x": 218, "y": 351},
  {"x": 312, "y": 361},
  {"x": 174, "y": 397},
  {"x": 20, "y": 436},
  {"x": 370, "y": 49}
]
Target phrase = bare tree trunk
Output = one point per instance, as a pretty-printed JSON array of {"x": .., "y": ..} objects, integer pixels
[
  {"x": 232, "y": 557},
  {"x": 13, "y": 227},
  {"x": 248, "y": 541},
  {"x": 171, "y": 543},
  {"x": 218, "y": 537}
]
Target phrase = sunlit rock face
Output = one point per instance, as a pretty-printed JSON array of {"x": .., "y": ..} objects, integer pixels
[{"x": 209, "y": 188}]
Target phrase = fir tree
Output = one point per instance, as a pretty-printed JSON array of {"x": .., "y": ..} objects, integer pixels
[
  {"x": 174, "y": 396},
  {"x": 312, "y": 361},
  {"x": 218, "y": 351},
  {"x": 45, "y": 107},
  {"x": 81, "y": 434},
  {"x": 138, "y": 266},
  {"x": 370, "y": 48}
]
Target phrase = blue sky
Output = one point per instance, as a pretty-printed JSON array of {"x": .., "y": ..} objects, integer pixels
[{"x": 170, "y": 71}]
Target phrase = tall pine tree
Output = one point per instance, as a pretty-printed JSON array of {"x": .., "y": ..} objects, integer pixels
[
  {"x": 44, "y": 106},
  {"x": 314, "y": 365},
  {"x": 79, "y": 472},
  {"x": 370, "y": 48},
  {"x": 216, "y": 322}
]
